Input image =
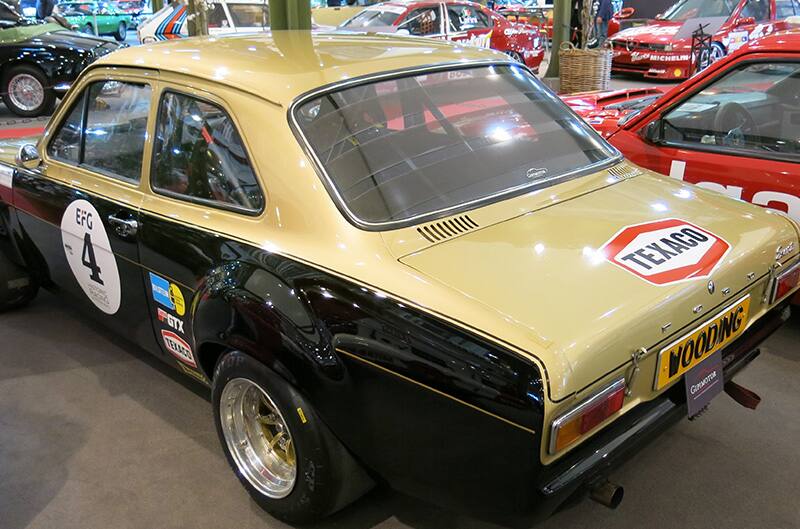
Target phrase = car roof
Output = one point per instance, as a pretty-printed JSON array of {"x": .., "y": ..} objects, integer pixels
[{"x": 281, "y": 65}]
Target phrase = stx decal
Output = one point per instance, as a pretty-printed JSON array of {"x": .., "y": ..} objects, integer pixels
[
  {"x": 666, "y": 251},
  {"x": 169, "y": 320}
]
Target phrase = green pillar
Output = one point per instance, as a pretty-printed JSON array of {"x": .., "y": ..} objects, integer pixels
[
  {"x": 290, "y": 14},
  {"x": 197, "y": 22},
  {"x": 157, "y": 5},
  {"x": 562, "y": 14}
]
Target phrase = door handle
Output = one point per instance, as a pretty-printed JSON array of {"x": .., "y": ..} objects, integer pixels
[{"x": 124, "y": 228}]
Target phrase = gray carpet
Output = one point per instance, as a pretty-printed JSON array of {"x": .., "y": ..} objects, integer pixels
[{"x": 94, "y": 434}]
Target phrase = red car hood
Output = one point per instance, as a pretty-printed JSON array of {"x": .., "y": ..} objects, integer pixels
[
  {"x": 604, "y": 110},
  {"x": 655, "y": 32}
]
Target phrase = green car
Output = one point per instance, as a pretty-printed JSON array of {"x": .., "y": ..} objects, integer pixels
[{"x": 97, "y": 18}]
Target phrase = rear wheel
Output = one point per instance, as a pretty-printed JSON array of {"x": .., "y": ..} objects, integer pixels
[
  {"x": 88, "y": 28},
  {"x": 26, "y": 92},
  {"x": 516, "y": 56},
  {"x": 122, "y": 32},
  {"x": 280, "y": 450}
]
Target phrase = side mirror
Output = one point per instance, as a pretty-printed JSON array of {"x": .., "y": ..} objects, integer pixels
[
  {"x": 659, "y": 16},
  {"x": 652, "y": 132},
  {"x": 745, "y": 21},
  {"x": 28, "y": 157}
]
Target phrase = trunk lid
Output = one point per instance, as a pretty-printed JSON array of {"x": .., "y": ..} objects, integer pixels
[{"x": 545, "y": 271}]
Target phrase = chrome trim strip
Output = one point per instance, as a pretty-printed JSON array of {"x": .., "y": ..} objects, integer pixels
[
  {"x": 773, "y": 289},
  {"x": 692, "y": 331},
  {"x": 465, "y": 206},
  {"x": 580, "y": 408}
]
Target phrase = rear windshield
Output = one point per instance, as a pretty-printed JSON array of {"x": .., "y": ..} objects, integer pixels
[{"x": 405, "y": 148}]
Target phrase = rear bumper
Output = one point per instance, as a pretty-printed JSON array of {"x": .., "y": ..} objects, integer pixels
[
  {"x": 652, "y": 65},
  {"x": 579, "y": 470}
]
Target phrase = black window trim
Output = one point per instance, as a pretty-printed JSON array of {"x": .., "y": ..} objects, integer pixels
[
  {"x": 719, "y": 149},
  {"x": 416, "y": 220},
  {"x": 196, "y": 200},
  {"x": 84, "y": 101}
]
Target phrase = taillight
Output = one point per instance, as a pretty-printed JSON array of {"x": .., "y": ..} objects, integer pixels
[
  {"x": 586, "y": 416},
  {"x": 785, "y": 283}
]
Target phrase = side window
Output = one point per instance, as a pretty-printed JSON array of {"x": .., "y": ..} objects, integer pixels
[
  {"x": 786, "y": 9},
  {"x": 199, "y": 156},
  {"x": 216, "y": 16},
  {"x": 423, "y": 21},
  {"x": 116, "y": 127},
  {"x": 66, "y": 144},
  {"x": 106, "y": 129},
  {"x": 758, "y": 9},
  {"x": 755, "y": 108},
  {"x": 465, "y": 18}
]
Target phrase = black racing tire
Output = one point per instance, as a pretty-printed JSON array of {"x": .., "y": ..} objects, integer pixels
[
  {"x": 121, "y": 33},
  {"x": 17, "y": 287},
  {"x": 88, "y": 28},
  {"x": 32, "y": 74},
  {"x": 327, "y": 476}
]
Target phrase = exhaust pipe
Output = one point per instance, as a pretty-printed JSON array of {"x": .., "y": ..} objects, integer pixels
[{"x": 608, "y": 494}]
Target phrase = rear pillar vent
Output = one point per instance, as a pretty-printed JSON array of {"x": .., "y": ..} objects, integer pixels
[
  {"x": 447, "y": 229},
  {"x": 624, "y": 170}
]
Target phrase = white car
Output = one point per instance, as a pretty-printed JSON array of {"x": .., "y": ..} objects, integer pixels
[{"x": 224, "y": 16}]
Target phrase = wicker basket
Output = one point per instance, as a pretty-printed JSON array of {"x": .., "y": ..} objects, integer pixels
[{"x": 584, "y": 70}]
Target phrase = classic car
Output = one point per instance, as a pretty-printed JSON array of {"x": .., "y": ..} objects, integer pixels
[
  {"x": 459, "y": 21},
  {"x": 224, "y": 16},
  {"x": 38, "y": 62},
  {"x": 734, "y": 128},
  {"x": 376, "y": 288},
  {"x": 97, "y": 18},
  {"x": 662, "y": 49}
]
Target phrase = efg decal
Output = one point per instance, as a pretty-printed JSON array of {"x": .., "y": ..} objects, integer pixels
[
  {"x": 178, "y": 347},
  {"x": 89, "y": 255},
  {"x": 167, "y": 294}
]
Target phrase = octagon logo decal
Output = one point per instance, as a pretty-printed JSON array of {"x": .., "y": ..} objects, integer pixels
[{"x": 664, "y": 252}]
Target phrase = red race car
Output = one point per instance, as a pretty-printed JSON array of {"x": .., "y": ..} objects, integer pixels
[
  {"x": 467, "y": 22},
  {"x": 662, "y": 49},
  {"x": 734, "y": 128}
]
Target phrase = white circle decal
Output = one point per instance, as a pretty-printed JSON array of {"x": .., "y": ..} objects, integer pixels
[{"x": 89, "y": 255}]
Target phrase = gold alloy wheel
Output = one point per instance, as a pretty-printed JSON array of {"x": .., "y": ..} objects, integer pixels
[{"x": 258, "y": 438}]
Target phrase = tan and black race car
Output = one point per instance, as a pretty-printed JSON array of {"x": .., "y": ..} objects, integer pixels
[{"x": 391, "y": 260}]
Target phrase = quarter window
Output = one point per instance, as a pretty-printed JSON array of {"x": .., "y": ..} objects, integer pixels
[
  {"x": 465, "y": 18},
  {"x": 199, "y": 156},
  {"x": 755, "y": 108},
  {"x": 106, "y": 130},
  {"x": 787, "y": 8}
]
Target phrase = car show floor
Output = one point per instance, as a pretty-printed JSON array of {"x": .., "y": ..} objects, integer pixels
[{"x": 96, "y": 434}]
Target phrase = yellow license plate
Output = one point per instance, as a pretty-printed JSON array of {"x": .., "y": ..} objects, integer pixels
[{"x": 688, "y": 351}]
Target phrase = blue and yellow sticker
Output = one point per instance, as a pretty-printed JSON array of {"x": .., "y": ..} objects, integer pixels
[{"x": 167, "y": 294}]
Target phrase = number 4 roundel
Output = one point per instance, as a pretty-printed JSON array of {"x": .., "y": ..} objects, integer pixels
[
  {"x": 89, "y": 255},
  {"x": 666, "y": 251}
]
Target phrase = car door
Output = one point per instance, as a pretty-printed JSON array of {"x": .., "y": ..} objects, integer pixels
[
  {"x": 738, "y": 134},
  {"x": 755, "y": 19},
  {"x": 80, "y": 207},
  {"x": 201, "y": 180},
  {"x": 468, "y": 24}
]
